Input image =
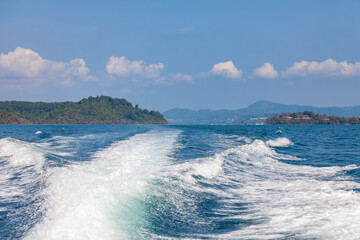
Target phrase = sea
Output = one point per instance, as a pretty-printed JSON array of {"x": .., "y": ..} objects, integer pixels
[{"x": 179, "y": 182}]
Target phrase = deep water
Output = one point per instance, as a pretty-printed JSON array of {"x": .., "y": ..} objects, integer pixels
[{"x": 179, "y": 182}]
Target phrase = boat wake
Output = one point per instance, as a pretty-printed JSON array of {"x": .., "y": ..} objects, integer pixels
[{"x": 137, "y": 189}]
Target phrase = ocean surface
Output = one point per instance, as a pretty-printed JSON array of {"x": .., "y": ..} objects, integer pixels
[{"x": 179, "y": 182}]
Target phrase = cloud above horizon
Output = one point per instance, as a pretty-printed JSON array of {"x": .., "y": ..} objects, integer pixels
[
  {"x": 329, "y": 68},
  {"x": 25, "y": 67},
  {"x": 121, "y": 67},
  {"x": 227, "y": 70},
  {"x": 267, "y": 70}
]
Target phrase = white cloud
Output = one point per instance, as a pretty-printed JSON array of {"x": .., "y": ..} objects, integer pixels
[
  {"x": 21, "y": 63},
  {"x": 153, "y": 70},
  {"x": 266, "y": 71},
  {"x": 226, "y": 69},
  {"x": 328, "y": 67},
  {"x": 122, "y": 67},
  {"x": 24, "y": 67},
  {"x": 175, "y": 78}
]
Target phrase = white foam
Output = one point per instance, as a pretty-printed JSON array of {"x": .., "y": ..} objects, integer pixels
[
  {"x": 210, "y": 167},
  {"x": 19, "y": 153},
  {"x": 279, "y": 142},
  {"x": 97, "y": 199},
  {"x": 20, "y": 159},
  {"x": 100, "y": 199},
  {"x": 204, "y": 167},
  {"x": 286, "y": 201},
  {"x": 289, "y": 201},
  {"x": 63, "y": 145}
]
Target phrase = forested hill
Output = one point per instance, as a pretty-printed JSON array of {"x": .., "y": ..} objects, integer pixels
[
  {"x": 9, "y": 118},
  {"x": 92, "y": 110}
]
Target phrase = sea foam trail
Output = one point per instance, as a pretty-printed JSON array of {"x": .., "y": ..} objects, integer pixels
[
  {"x": 98, "y": 199},
  {"x": 278, "y": 200},
  {"x": 20, "y": 159},
  {"x": 22, "y": 165},
  {"x": 285, "y": 200},
  {"x": 279, "y": 142}
]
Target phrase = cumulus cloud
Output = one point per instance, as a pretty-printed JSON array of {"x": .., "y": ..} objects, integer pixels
[
  {"x": 175, "y": 78},
  {"x": 21, "y": 63},
  {"x": 226, "y": 69},
  {"x": 24, "y": 67},
  {"x": 266, "y": 71},
  {"x": 328, "y": 67},
  {"x": 121, "y": 67}
]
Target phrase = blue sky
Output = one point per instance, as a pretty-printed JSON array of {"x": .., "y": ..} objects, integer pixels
[{"x": 189, "y": 54}]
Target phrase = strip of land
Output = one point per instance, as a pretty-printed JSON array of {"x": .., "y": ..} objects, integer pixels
[
  {"x": 92, "y": 110},
  {"x": 310, "y": 118}
]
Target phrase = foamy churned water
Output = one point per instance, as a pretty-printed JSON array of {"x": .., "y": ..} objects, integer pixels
[
  {"x": 97, "y": 199},
  {"x": 20, "y": 160},
  {"x": 191, "y": 183},
  {"x": 21, "y": 171},
  {"x": 283, "y": 200},
  {"x": 279, "y": 142}
]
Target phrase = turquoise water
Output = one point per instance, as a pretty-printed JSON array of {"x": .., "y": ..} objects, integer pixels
[{"x": 179, "y": 182}]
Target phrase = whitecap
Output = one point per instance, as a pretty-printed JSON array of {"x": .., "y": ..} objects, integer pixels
[
  {"x": 279, "y": 142},
  {"x": 98, "y": 199}
]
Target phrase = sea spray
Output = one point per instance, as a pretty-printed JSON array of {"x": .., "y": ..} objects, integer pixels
[
  {"x": 279, "y": 142},
  {"x": 258, "y": 196},
  {"x": 285, "y": 200},
  {"x": 179, "y": 182},
  {"x": 95, "y": 200},
  {"x": 22, "y": 167}
]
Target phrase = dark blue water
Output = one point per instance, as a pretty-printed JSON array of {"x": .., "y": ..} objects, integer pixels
[{"x": 179, "y": 182}]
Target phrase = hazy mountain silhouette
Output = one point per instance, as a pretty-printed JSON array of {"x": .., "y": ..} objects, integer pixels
[{"x": 258, "y": 109}]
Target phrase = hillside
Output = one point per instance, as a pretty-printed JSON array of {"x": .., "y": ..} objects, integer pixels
[
  {"x": 9, "y": 118},
  {"x": 259, "y": 109},
  {"x": 92, "y": 110}
]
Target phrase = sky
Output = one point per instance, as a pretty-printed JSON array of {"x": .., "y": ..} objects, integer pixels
[{"x": 187, "y": 54}]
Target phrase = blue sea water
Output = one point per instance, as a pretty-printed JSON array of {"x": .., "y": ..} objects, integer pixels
[{"x": 179, "y": 182}]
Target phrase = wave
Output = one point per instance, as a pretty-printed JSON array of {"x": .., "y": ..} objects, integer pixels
[
  {"x": 22, "y": 167},
  {"x": 258, "y": 196},
  {"x": 285, "y": 200},
  {"x": 279, "y": 142},
  {"x": 21, "y": 160},
  {"x": 135, "y": 189},
  {"x": 212, "y": 166},
  {"x": 99, "y": 199}
]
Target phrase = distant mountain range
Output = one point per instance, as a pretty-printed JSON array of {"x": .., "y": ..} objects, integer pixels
[{"x": 255, "y": 112}]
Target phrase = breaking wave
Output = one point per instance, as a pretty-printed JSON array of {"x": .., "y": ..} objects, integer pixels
[
  {"x": 98, "y": 199},
  {"x": 279, "y": 142},
  {"x": 138, "y": 189},
  {"x": 266, "y": 198}
]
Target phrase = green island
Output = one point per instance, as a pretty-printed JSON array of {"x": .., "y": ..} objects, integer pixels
[
  {"x": 310, "y": 118},
  {"x": 92, "y": 110}
]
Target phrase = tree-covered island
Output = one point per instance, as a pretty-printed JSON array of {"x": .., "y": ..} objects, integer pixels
[
  {"x": 92, "y": 110},
  {"x": 310, "y": 118}
]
